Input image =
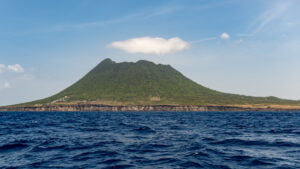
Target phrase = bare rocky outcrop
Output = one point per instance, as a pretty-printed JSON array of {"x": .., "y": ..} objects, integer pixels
[{"x": 102, "y": 107}]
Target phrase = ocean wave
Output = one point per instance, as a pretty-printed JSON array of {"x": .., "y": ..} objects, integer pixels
[{"x": 164, "y": 140}]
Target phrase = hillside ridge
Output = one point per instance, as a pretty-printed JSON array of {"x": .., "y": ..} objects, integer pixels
[{"x": 146, "y": 83}]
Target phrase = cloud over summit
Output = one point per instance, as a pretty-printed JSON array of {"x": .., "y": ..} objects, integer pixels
[{"x": 151, "y": 45}]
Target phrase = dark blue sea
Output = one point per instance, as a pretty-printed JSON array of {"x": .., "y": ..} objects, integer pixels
[{"x": 150, "y": 140}]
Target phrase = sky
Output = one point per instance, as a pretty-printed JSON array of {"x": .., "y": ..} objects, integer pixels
[{"x": 235, "y": 46}]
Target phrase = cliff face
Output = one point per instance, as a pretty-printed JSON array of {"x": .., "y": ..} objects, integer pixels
[{"x": 100, "y": 107}]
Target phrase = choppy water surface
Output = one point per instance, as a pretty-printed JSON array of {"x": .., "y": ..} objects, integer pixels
[{"x": 150, "y": 140}]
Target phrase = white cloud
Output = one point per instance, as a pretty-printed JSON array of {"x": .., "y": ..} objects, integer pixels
[
  {"x": 224, "y": 36},
  {"x": 204, "y": 40},
  {"x": 138, "y": 15},
  {"x": 274, "y": 14},
  {"x": 151, "y": 45},
  {"x": 5, "y": 85},
  {"x": 15, "y": 68}
]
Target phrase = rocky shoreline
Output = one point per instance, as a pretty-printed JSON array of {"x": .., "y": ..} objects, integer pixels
[{"x": 102, "y": 107}]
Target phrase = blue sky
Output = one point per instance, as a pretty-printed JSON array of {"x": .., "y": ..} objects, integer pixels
[{"x": 47, "y": 45}]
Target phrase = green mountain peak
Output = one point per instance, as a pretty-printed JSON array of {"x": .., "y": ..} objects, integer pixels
[
  {"x": 107, "y": 61},
  {"x": 146, "y": 83}
]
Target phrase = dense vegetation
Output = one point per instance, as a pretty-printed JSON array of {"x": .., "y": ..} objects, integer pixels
[{"x": 144, "y": 82}]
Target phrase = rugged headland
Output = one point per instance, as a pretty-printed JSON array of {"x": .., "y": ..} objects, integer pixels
[{"x": 145, "y": 86}]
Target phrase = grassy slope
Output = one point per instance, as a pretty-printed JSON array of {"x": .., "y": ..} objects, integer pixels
[{"x": 143, "y": 82}]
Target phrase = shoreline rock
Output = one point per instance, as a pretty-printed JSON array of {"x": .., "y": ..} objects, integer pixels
[{"x": 101, "y": 107}]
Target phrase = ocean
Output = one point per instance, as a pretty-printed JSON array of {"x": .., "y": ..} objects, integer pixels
[{"x": 150, "y": 140}]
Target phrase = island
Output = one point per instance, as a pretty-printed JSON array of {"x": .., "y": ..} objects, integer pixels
[{"x": 146, "y": 86}]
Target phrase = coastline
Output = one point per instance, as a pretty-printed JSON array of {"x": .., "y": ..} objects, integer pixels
[{"x": 120, "y": 108}]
